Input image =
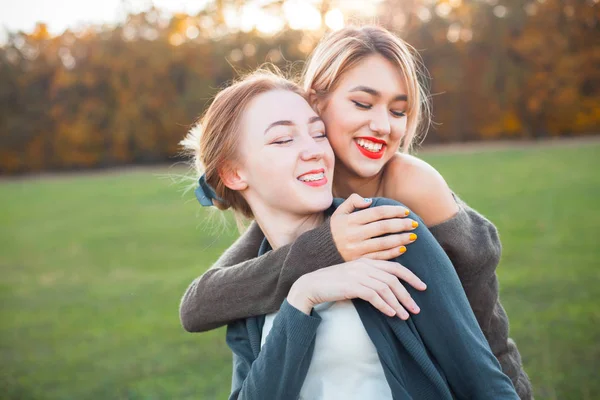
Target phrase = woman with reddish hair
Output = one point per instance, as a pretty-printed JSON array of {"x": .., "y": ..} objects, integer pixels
[{"x": 365, "y": 85}]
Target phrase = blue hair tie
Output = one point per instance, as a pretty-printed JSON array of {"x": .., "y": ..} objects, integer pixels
[{"x": 206, "y": 194}]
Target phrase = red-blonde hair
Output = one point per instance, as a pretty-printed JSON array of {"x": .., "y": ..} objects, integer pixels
[{"x": 213, "y": 141}]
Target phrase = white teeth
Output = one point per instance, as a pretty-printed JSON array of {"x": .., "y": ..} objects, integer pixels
[
  {"x": 312, "y": 177},
  {"x": 371, "y": 146}
]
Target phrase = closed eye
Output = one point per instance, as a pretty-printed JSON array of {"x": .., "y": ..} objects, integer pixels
[
  {"x": 282, "y": 141},
  {"x": 364, "y": 106}
]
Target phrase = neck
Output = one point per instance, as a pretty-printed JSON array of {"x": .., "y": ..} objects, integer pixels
[
  {"x": 346, "y": 182},
  {"x": 281, "y": 228}
]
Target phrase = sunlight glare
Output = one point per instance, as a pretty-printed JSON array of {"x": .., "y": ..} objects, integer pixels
[
  {"x": 334, "y": 19},
  {"x": 192, "y": 32},
  {"x": 269, "y": 24},
  {"x": 453, "y": 32},
  {"x": 253, "y": 17},
  {"x": 301, "y": 15},
  {"x": 176, "y": 39}
]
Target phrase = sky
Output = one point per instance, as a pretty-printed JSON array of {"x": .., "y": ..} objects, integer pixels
[
  {"x": 59, "y": 14},
  {"x": 16, "y": 15}
]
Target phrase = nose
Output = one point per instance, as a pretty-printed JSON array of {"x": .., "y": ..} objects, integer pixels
[
  {"x": 311, "y": 150},
  {"x": 380, "y": 121}
]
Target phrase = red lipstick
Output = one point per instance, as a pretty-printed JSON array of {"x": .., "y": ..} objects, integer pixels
[
  {"x": 372, "y": 139},
  {"x": 371, "y": 154}
]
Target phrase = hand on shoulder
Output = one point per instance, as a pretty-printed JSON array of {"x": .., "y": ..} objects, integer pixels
[{"x": 420, "y": 187}]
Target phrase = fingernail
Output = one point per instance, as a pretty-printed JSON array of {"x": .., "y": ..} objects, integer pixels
[
  {"x": 416, "y": 308},
  {"x": 412, "y": 237},
  {"x": 404, "y": 315},
  {"x": 415, "y": 224},
  {"x": 406, "y": 212},
  {"x": 367, "y": 200},
  {"x": 402, "y": 249}
]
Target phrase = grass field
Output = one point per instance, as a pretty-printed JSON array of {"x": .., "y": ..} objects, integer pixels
[{"x": 93, "y": 267}]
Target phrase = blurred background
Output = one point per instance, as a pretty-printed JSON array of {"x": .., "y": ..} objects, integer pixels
[{"x": 96, "y": 251}]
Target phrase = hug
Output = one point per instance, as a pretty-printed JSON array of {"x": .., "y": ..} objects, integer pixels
[{"x": 388, "y": 294}]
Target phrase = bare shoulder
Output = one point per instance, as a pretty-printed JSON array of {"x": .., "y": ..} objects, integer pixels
[
  {"x": 421, "y": 187},
  {"x": 410, "y": 176}
]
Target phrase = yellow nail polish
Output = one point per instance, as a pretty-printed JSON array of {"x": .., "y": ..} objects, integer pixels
[
  {"x": 412, "y": 237},
  {"x": 402, "y": 249},
  {"x": 415, "y": 224},
  {"x": 406, "y": 212}
]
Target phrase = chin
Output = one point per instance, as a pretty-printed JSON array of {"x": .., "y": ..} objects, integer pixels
[
  {"x": 319, "y": 203},
  {"x": 366, "y": 169}
]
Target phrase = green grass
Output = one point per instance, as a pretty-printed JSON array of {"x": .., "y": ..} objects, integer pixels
[{"x": 93, "y": 267}]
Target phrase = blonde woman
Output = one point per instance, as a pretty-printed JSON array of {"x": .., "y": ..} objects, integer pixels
[
  {"x": 266, "y": 152},
  {"x": 364, "y": 83}
]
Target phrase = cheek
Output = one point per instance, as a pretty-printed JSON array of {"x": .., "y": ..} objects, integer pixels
[
  {"x": 342, "y": 121},
  {"x": 399, "y": 129},
  {"x": 329, "y": 155},
  {"x": 266, "y": 165}
]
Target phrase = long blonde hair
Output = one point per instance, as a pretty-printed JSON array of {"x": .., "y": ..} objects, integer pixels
[
  {"x": 340, "y": 51},
  {"x": 213, "y": 142}
]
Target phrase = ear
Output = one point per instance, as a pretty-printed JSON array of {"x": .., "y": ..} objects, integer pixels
[
  {"x": 233, "y": 178},
  {"x": 315, "y": 101}
]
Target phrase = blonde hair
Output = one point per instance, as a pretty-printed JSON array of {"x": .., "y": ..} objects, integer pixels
[
  {"x": 342, "y": 50},
  {"x": 213, "y": 142}
]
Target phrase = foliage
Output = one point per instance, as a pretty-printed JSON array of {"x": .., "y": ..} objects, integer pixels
[{"x": 109, "y": 95}]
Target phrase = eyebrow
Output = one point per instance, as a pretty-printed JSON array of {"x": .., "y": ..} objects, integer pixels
[
  {"x": 287, "y": 122},
  {"x": 314, "y": 119},
  {"x": 373, "y": 92},
  {"x": 279, "y": 123}
]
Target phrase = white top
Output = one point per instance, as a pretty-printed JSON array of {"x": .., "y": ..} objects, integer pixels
[{"x": 345, "y": 364}]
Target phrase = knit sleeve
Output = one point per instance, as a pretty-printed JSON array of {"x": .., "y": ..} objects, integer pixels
[
  {"x": 473, "y": 245},
  {"x": 279, "y": 369},
  {"x": 240, "y": 285}
]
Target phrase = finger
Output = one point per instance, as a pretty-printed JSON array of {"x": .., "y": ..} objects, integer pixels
[
  {"x": 387, "y": 226},
  {"x": 386, "y": 243},
  {"x": 352, "y": 203},
  {"x": 400, "y": 271},
  {"x": 386, "y": 293},
  {"x": 386, "y": 255},
  {"x": 370, "y": 295},
  {"x": 378, "y": 213},
  {"x": 397, "y": 289}
]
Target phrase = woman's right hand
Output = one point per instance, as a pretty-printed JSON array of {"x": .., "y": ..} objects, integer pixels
[
  {"x": 375, "y": 281},
  {"x": 360, "y": 234}
]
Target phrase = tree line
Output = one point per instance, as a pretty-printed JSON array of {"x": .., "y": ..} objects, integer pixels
[{"x": 113, "y": 95}]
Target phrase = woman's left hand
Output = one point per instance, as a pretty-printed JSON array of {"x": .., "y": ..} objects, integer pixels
[{"x": 378, "y": 233}]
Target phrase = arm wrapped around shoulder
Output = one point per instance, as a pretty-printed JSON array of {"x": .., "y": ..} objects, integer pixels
[
  {"x": 471, "y": 241},
  {"x": 199, "y": 300},
  {"x": 241, "y": 284}
]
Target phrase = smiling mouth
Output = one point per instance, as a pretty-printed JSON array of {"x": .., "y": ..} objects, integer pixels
[
  {"x": 314, "y": 178},
  {"x": 370, "y": 147}
]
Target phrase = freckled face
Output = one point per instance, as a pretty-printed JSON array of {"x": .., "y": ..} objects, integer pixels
[
  {"x": 286, "y": 158},
  {"x": 365, "y": 116}
]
